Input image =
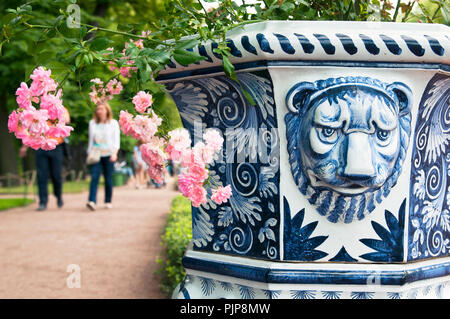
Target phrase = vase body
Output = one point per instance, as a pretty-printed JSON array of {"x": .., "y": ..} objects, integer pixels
[{"x": 338, "y": 163}]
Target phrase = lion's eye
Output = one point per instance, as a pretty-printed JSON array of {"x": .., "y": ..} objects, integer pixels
[
  {"x": 383, "y": 137},
  {"x": 327, "y": 134}
]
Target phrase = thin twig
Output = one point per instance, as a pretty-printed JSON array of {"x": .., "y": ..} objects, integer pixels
[{"x": 396, "y": 10}]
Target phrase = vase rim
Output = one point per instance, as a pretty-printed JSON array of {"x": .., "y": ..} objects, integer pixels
[
  {"x": 337, "y": 41},
  {"x": 339, "y": 25}
]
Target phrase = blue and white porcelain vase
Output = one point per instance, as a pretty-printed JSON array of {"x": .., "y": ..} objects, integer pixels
[{"x": 340, "y": 170}]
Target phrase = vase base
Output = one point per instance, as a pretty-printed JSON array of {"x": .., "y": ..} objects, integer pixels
[{"x": 220, "y": 276}]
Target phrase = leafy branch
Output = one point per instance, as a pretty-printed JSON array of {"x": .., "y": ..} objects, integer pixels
[{"x": 195, "y": 20}]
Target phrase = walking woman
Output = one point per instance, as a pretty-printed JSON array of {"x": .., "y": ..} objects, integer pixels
[{"x": 104, "y": 143}]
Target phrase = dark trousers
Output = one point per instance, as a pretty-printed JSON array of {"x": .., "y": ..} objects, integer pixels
[
  {"x": 49, "y": 163},
  {"x": 107, "y": 167}
]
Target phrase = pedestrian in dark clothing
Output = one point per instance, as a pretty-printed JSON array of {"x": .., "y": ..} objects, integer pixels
[{"x": 49, "y": 163}]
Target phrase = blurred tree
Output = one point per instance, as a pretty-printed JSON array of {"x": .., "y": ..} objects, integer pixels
[{"x": 43, "y": 47}]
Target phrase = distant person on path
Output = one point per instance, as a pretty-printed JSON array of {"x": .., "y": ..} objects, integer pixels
[
  {"x": 140, "y": 167},
  {"x": 122, "y": 168},
  {"x": 49, "y": 163},
  {"x": 104, "y": 141}
]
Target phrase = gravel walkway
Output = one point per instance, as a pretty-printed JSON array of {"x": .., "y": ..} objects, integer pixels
[{"x": 114, "y": 250}]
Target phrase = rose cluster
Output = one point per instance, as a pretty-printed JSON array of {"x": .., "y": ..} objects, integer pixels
[
  {"x": 194, "y": 161},
  {"x": 99, "y": 93},
  {"x": 126, "y": 63},
  {"x": 40, "y": 120},
  {"x": 156, "y": 151},
  {"x": 143, "y": 128}
]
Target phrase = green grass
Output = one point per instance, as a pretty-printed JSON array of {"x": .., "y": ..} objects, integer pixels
[
  {"x": 68, "y": 187},
  {"x": 7, "y": 203}
]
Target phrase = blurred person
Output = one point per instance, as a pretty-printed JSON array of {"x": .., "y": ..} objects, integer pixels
[
  {"x": 122, "y": 168},
  {"x": 140, "y": 167},
  {"x": 49, "y": 163},
  {"x": 104, "y": 141}
]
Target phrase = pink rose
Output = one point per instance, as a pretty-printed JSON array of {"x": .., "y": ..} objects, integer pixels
[
  {"x": 97, "y": 81},
  {"x": 97, "y": 95},
  {"x": 42, "y": 82},
  {"x": 198, "y": 172},
  {"x": 198, "y": 196},
  {"x": 142, "y": 101},
  {"x": 213, "y": 139},
  {"x": 13, "y": 122},
  {"x": 53, "y": 105},
  {"x": 138, "y": 43},
  {"x": 203, "y": 153},
  {"x": 35, "y": 142},
  {"x": 179, "y": 141},
  {"x": 143, "y": 128},
  {"x": 125, "y": 70},
  {"x": 156, "y": 172},
  {"x": 186, "y": 183},
  {"x": 221, "y": 194},
  {"x": 59, "y": 130},
  {"x": 186, "y": 157},
  {"x": 49, "y": 144},
  {"x": 35, "y": 121},
  {"x": 114, "y": 87},
  {"x": 125, "y": 122},
  {"x": 24, "y": 96},
  {"x": 152, "y": 154}
]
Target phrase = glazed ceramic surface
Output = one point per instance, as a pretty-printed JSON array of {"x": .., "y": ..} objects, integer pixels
[{"x": 342, "y": 159}]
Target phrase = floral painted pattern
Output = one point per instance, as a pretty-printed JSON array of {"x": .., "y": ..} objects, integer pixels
[
  {"x": 429, "y": 222},
  {"x": 248, "y": 224}
]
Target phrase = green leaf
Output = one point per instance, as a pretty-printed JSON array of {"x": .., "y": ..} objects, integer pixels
[
  {"x": 144, "y": 69},
  {"x": 248, "y": 96},
  {"x": 287, "y": 6},
  {"x": 161, "y": 57},
  {"x": 228, "y": 67},
  {"x": 79, "y": 60},
  {"x": 185, "y": 57},
  {"x": 58, "y": 20},
  {"x": 229, "y": 71},
  {"x": 100, "y": 43},
  {"x": 88, "y": 58},
  {"x": 83, "y": 31},
  {"x": 26, "y": 8},
  {"x": 44, "y": 56},
  {"x": 186, "y": 44},
  {"x": 71, "y": 58},
  {"x": 132, "y": 51}
]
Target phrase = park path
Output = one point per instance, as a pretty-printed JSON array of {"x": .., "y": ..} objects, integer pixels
[{"x": 116, "y": 250}]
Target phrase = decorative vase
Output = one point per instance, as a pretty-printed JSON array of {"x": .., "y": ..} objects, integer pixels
[{"x": 338, "y": 162}]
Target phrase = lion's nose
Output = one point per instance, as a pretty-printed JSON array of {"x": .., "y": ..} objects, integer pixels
[{"x": 359, "y": 165}]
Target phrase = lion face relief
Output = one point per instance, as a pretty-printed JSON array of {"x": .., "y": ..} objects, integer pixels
[{"x": 347, "y": 140}]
